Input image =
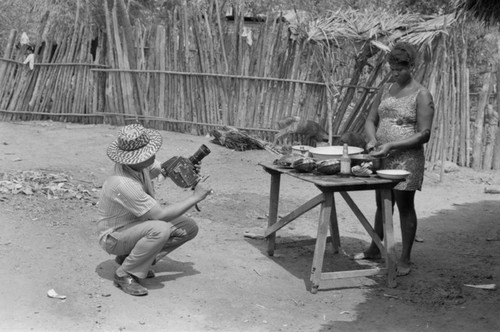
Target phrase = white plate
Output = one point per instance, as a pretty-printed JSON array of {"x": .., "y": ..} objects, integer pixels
[
  {"x": 392, "y": 173},
  {"x": 333, "y": 152}
]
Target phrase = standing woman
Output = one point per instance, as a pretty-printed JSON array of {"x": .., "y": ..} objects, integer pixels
[{"x": 397, "y": 127}]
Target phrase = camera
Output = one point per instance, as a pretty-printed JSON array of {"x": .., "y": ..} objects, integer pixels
[
  {"x": 198, "y": 156},
  {"x": 181, "y": 170}
]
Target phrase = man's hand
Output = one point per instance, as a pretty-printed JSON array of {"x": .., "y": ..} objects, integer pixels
[
  {"x": 201, "y": 191},
  {"x": 197, "y": 168}
]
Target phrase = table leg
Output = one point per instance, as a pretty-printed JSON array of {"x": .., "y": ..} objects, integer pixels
[
  {"x": 385, "y": 195},
  {"x": 273, "y": 210},
  {"x": 319, "y": 250},
  {"x": 334, "y": 229}
]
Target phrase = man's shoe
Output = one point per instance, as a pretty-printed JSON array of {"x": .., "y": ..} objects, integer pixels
[{"x": 129, "y": 285}]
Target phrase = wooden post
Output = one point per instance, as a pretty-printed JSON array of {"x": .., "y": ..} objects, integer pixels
[
  {"x": 496, "y": 152},
  {"x": 491, "y": 132},
  {"x": 479, "y": 122},
  {"x": 467, "y": 118},
  {"x": 445, "y": 105}
]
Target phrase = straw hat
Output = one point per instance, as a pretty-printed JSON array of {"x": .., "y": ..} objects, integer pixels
[{"x": 134, "y": 145}]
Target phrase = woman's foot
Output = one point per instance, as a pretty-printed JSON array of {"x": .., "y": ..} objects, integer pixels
[
  {"x": 367, "y": 255},
  {"x": 403, "y": 269}
]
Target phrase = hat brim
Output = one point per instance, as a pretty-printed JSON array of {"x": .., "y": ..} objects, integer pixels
[{"x": 136, "y": 156}]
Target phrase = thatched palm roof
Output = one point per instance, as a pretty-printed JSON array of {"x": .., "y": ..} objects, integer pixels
[
  {"x": 487, "y": 11},
  {"x": 379, "y": 28}
]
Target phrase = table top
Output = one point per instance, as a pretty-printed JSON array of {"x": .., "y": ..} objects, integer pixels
[{"x": 336, "y": 182}]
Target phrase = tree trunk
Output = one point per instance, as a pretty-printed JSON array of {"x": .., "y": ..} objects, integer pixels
[
  {"x": 479, "y": 122},
  {"x": 491, "y": 132},
  {"x": 496, "y": 152}
]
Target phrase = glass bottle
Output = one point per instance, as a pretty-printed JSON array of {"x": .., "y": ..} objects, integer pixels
[{"x": 345, "y": 162}]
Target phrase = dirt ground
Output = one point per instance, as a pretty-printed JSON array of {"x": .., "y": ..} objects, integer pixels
[{"x": 223, "y": 280}]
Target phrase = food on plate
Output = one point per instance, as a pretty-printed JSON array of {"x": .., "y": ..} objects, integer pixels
[
  {"x": 365, "y": 169},
  {"x": 328, "y": 166},
  {"x": 288, "y": 159},
  {"x": 359, "y": 159},
  {"x": 304, "y": 165}
]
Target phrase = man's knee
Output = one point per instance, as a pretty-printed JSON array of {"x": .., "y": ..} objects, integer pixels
[
  {"x": 159, "y": 229},
  {"x": 191, "y": 228}
]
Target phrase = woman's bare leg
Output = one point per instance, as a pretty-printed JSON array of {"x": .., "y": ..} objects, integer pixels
[{"x": 405, "y": 201}]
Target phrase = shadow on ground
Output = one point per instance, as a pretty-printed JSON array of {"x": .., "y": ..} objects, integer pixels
[
  {"x": 295, "y": 255},
  {"x": 468, "y": 244},
  {"x": 166, "y": 270},
  {"x": 467, "y": 239}
]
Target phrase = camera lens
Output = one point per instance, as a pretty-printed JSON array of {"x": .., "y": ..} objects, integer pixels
[{"x": 201, "y": 153}]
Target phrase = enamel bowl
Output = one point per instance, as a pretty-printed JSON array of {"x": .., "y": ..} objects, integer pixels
[{"x": 333, "y": 152}]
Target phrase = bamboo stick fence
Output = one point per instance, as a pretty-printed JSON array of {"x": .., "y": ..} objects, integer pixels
[
  {"x": 195, "y": 74},
  {"x": 195, "y": 91},
  {"x": 63, "y": 90},
  {"x": 455, "y": 137}
]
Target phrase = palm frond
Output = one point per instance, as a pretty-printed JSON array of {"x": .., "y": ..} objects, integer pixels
[
  {"x": 487, "y": 11},
  {"x": 358, "y": 26},
  {"x": 425, "y": 33},
  {"x": 379, "y": 28}
]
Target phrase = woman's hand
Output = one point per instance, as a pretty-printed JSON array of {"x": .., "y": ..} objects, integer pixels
[
  {"x": 382, "y": 151},
  {"x": 371, "y": 145}
]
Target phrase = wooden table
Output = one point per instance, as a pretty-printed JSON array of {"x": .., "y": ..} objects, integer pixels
[{"x": 328, "y": 185}]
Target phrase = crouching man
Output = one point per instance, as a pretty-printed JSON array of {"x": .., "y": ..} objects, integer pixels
[{"x": 132, "y": 224}]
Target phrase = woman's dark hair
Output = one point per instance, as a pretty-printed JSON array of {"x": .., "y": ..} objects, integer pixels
[{"x": 402, "y": 54}]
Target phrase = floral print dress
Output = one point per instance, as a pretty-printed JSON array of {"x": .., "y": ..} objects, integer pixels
[{"x": 398, "y": 121}]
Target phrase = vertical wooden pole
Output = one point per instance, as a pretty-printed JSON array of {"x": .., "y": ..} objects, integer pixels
[
  {"x": 490, "y": 134},
  {"x": 467, "y": 120},
  {"x": 273, "y": 209},
  {"x": 477, "y": 151},
  {"x": 319, "y": 249},
  {"x": 445, "y": 105},
  {"x": 385, "y": 196},
  {"x": 496, "y": 153}
]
